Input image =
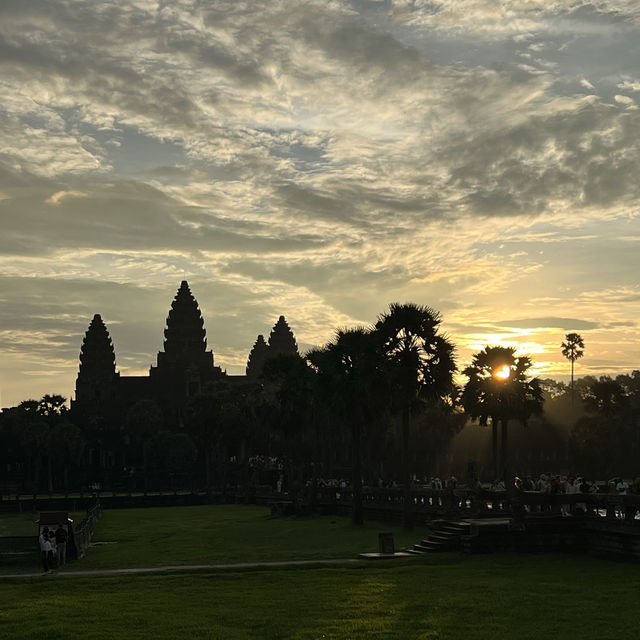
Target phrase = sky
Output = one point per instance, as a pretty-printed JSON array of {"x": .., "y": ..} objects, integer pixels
[{"x": 317, "y": 159}]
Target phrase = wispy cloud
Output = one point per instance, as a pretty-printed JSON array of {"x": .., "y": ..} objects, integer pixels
[{"x": 319, "y": 160}]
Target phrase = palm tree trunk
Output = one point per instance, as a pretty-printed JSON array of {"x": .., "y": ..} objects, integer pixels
[
  {"x": 407, "y": 516},
  {"x": 494, "y": 448},
  {"x": 507, "y": 475},
  {"x": 356, "y": 483},
  {"x": 572, "y": 391}
]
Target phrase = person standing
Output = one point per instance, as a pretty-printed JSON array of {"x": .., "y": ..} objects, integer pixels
[
  {"x": 45, "y": 549},
  {"x": 61, "y": 545},
  {"x": 622, "y": 487},
  {"x": 53, "y": 554}
]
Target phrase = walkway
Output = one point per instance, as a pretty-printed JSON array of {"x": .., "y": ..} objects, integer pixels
[{"x": 183, "y": 568}]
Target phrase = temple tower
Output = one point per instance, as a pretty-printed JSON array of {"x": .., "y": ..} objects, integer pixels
[
  {"x": 185, "y": 344},
  {"x": 282, "y": 340},
  {"x": 257, "y": 358},
  {"x": 185, "y": 365},
  {"x": 97, "y": 377}
]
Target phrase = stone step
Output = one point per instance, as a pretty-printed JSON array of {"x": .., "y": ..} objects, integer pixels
[
  {"x": 426, "y": 546},
  {"x": 437, "y": 537},
  {"x": 445, "y": 536},
  {"x": 453, "y": 528}
]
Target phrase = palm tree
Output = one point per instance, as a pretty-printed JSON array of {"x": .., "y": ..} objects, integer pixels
[
  {"x": 420, "y": 366},
  {"x": 287, "y": 386},
  {"x": 53, "y": 410},
  {"x": 350, "y": 381},
  {"x": 499, "y": 390},
  {"x": 572, "y": 350}
]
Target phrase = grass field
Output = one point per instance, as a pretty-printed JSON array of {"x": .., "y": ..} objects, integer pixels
[
  {"x": 443, "y": 597},
  {"x": 226, "y": 533},
  {"x": 215, "y": 534},
  {"x": 434, "y": 597}
]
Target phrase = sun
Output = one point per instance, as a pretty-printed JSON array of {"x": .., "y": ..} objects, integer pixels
[{"x": 502, "y": 372}]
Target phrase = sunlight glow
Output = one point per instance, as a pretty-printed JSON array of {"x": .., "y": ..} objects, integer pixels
[{"x": 502, "y": 372}]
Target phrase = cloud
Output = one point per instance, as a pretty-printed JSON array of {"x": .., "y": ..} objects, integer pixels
[
  {"x": 630, "y": 85},
  {"x": 58, "y": 196},
  {"x": 624, "y": 100},
  {"x": 315, "y": 159},
  {"x": 566, "y": 324}
]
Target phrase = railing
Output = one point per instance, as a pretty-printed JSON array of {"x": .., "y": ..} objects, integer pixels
[
  {"x": 83, "y": 533},
  {"x": 468, "y": 503}
]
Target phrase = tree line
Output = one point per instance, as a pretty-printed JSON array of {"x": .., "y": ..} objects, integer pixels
[{"x": 375, "y": 403}]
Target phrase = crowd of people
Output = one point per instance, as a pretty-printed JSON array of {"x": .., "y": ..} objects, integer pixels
[
  {"x": 544, "y": 483},
  {"x": 53, "y": 548},
  {"x": 550, "y": 483}
]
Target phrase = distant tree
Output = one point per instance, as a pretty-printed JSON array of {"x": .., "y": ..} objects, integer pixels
[
  {"x": 606, "y": 397},
  {"x": 287, "y": 393},
  {"x": 590, "y": 447},
  {"x": 607, "y": 439},
  {"x": 52, "y": 407},
  {"x": 572, "y": 350},
  {"x": 499, "y": 389},
  {"x": 35, "y": 439},
  {"x": 350, "y": 373},
  {"x": 53, "y": 410},
  {"x": 203, "y": 421},
  {"x": 171, "y": 453},
  {"x": 144, "y": 419},
  {"x": 552, "y": 388},
  {"x": 419, "y": 363},
  {"x": 67, "y": 446}
]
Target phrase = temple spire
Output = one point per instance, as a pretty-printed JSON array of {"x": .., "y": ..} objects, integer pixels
[
  {"x": 257, "y": 357},
  {"x": 97, "y": 357},
  {"x": 282, "y": 340},
  {"x": 185, "y": 343},
  {"x": 97, "y": 374}
]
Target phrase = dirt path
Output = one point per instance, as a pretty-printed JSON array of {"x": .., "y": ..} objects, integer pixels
[{"x": 183, "y": 568}]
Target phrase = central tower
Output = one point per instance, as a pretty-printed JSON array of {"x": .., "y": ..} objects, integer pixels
[
  {"x": 185, "y": 365},
  {"x": 185, "y": 343}
]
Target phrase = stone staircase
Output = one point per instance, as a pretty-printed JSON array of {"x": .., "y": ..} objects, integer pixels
[{"x": 446, "y": 535}]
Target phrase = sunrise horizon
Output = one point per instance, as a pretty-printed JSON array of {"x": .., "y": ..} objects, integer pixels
[{"x": 317, "y": 161}]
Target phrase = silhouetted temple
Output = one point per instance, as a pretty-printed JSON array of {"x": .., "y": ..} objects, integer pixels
[
  {"x": 281, "y": 343},
  {"x": 185, "y": 365},
  {"x": 183, "y": 369},
  {"x": 97, "y": 382}
]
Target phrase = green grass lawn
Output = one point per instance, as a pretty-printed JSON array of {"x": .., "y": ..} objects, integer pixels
[
  {"x": 226, "y": 533},
  {"x": 439, "y": 597},
  {"x": 152, "y": 537}
]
